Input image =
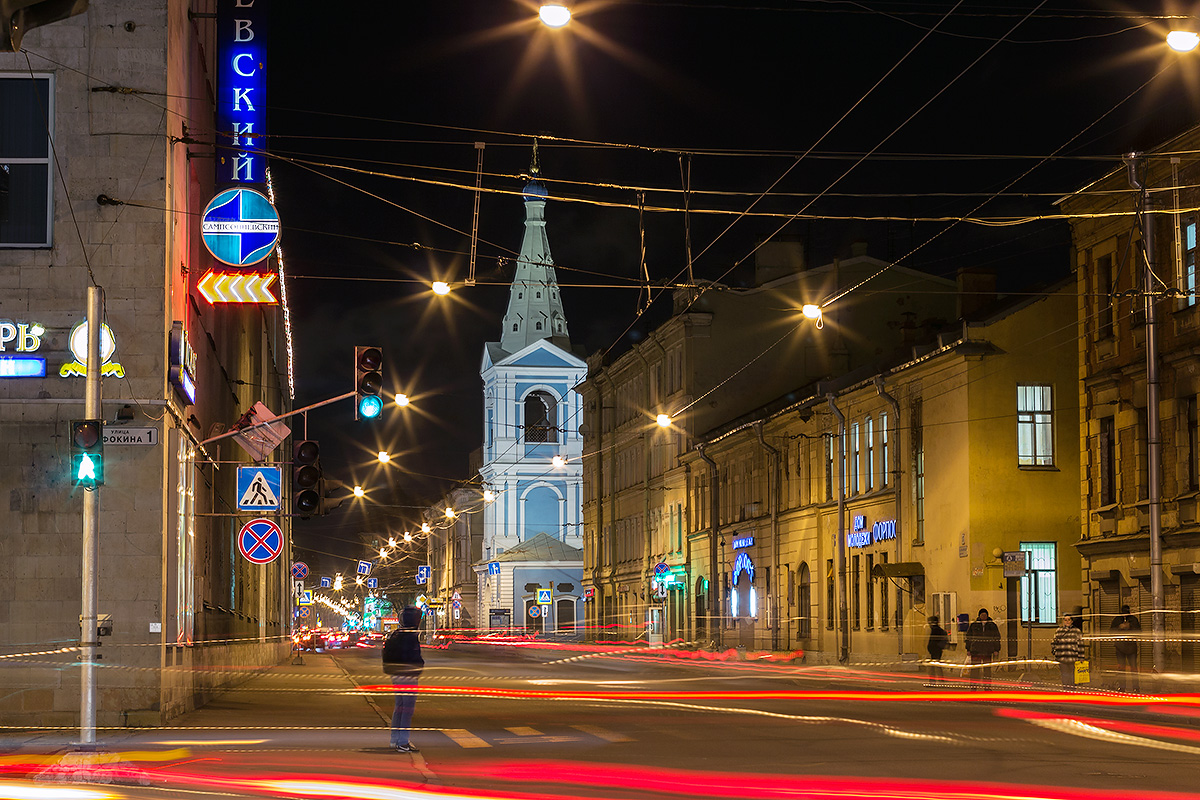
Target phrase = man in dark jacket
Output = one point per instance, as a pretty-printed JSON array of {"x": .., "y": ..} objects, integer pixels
[
  {"x": 402, "y": 660},
  {"x": 939, "y": 640},
  {"x": 1126, "y": 629},
  {"x": 983, "y": 643}
]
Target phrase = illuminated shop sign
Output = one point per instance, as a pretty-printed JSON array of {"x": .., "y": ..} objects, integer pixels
[
  {"x": 743, "y": 563},
  {"x": 17, "y": 340},
  {"x": 239, "y": 227},
  {"x": 743, "y": 541},
  {"x": 78, "y": 342},
  {"x": 181, "y": 369},
  {"x": 242, "y": 92},
  {"x": 880, "y": 531}
]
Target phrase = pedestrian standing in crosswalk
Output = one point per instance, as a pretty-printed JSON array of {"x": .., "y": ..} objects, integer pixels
[{"x": 403, "y": 662}]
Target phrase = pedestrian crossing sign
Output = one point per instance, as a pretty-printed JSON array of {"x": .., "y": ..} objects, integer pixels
[
  {"x": 258, "y": 488},
  {"x": 306, "y": 598},
  {"x": 543, "y": 597}
]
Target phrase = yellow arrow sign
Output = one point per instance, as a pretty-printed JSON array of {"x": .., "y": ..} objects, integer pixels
[{"x": 237, "y": 287}]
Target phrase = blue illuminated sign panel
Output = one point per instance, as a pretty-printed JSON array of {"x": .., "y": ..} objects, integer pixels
[
  {"x": 880, "y": 531},
  {"x": 240, "y": 227},
  {"x": 242, "y": 92},
  {"x": 182, "y": 367},
  {"x": 743, "y": 541},
  {"x": 22, "y": 367}
]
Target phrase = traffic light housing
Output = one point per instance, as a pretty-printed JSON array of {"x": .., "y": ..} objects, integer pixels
[
  {"x": 87, "y": 453},
  {"x": 368, "y": 382},
  {"x": 308, "y": 481}
]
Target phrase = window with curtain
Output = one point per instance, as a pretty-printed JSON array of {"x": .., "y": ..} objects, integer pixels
[
  {"x": 26, "y": 112},
  {"x": 870, "y": 467},
  {"x": 1044, "y": 574},
  {"x": 855, "y": 460},
  {"x": 1189, "y": 264},
  {"x": 883, "y": 450},
  {"x": 1035, "y": 429}
]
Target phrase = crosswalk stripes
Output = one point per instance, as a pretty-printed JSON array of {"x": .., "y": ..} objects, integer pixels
[
  {"x": 464, "y": 738},
  {"x": 601, "y": 733},
  {"x": 467, "y": 740}
]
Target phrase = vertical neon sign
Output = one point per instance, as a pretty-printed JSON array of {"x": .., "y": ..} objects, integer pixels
[{"x": 242, "y": 92}]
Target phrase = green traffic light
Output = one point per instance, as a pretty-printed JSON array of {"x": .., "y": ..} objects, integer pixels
[
  {"x": 370, "y": 407},
  {"x": 87, "y": 469}
]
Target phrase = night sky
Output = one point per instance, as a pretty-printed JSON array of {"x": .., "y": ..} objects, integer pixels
[{"x": 375, "y": 109}]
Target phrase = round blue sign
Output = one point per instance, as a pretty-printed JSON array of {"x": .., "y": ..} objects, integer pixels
[{"x": 240, "y": 227}]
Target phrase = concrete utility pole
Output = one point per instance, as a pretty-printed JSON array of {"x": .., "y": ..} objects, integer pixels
[
  {"x": 88, "y": 619},
  {"x": 1137, "y": 179}
]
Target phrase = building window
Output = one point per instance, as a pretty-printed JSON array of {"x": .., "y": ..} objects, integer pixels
[
  {"x": 918, "y": 443},
  {"x": 804, "y": 602},
  {"x": 514, "y": 327},
  {"x": 1107, "y": 456},
  {"x": 855, "y": 460},
  {"x": 856, "y": 580},
  {"x": 830, "y": 455},
  {"x": 185, "y": 545},
  {"x": 1193, "y": 445},
  {"x": 1044, "y": 573},
  {"x": 870, "y": 592},
  {"x": 541, "y": 418},
  {"x": 883, "y": 450},
  {"x": 1189, "y": 264},
  {"x": 883, "y": 596},
  {"x": 538, "y": 326},
  {"x": 1104, "y": 299},
  {"x": 26, "y": 192},
  {"x": 829, "y": 589},
  {"x": 1035, "y": 447},
  {"x": 870, "y": 467}
]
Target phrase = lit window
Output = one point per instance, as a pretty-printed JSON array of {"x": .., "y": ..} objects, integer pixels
[
  {"x": 870, "y": 470},
  {"x": 26, "y": 107},
  {"x": 883, "y": 450},
  {"x": 1044, "y": 572},
  {"x": 855, "y": 460},
  {"x": 1189, "y": 265},
  {"x": 1035, "y": 446}
]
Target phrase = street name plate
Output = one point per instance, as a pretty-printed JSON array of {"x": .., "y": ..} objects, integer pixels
[{"x": 119, "y": 435}]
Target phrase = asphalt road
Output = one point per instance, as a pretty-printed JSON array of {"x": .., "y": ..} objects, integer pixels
[{"x": 513, "y": 723}]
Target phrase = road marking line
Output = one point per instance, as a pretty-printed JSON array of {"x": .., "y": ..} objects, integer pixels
[
  {"x": 524, "y": 731},
  {"x": 602, "y": 733},
  {"x": 464, "y": 738}
]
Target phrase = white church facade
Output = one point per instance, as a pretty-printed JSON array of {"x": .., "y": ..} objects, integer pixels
[{"x": 531, "y": 571}]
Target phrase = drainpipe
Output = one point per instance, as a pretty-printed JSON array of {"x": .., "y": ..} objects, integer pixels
[
  {"x": 840, "y": 543},
  {"x": 895, "y": 404},
  {"x": 714, "y": 595},
  {"x": 775, "y": 488}
]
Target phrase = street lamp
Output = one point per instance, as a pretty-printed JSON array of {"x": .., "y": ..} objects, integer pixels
[
  {"x": 402, "y": 400},
  {"x": 663, "y": 420},
  {"x": 360, "y": 491},
  {"x": 554, "y": 13},
  {"x": 384, "y": 457},
  {"x": 1183, "y": 41},
  {"x": 441, "y": 288}
]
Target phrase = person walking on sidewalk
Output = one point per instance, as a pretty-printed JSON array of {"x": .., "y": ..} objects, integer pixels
[
  {"x": 1067, "y": 648},
  {"x": 938, "y": 641},
  {"x": 983, "y": 643},
  {"x": 1127, "y": 629},
  {"x": 402, "y": 661}
]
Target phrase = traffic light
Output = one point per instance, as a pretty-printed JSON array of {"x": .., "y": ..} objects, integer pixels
[
  {"x": 87, "y": 453},
  {"x": 368, "y": 382},
  {"x": 308, "y": 482}
]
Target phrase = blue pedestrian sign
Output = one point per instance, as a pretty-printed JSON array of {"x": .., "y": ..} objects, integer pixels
[
  {"x": 372, "y": 583},
  {"x": 258, "y": 488},
  {"x": 364, "y": 568},
  {"x": 326, "y": 582},
  {"x": 305, "y": 598},
  {"x": 423, "y": 573},
  {"x": 543, "y": 597},
  {"x": 240, "y": 227}
]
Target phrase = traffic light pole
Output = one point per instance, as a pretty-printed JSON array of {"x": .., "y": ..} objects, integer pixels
[{"x": 88, "y": 619}]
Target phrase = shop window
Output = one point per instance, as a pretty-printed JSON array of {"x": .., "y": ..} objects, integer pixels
[
  {"x": 1035, "y": 442},
  {"x": 884, "y": 584},
  {"x": 870, "y": 593},
  {"x": 26, "y": 196},
  {"x": 829, "y": 592},
  {"x": 856, "y": 581}
]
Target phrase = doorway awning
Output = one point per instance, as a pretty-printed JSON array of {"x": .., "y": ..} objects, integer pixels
[{"x": 901, "y": 569}]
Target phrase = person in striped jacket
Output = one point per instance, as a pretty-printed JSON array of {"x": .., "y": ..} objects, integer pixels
[{"x": 1067, "y": 648}]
